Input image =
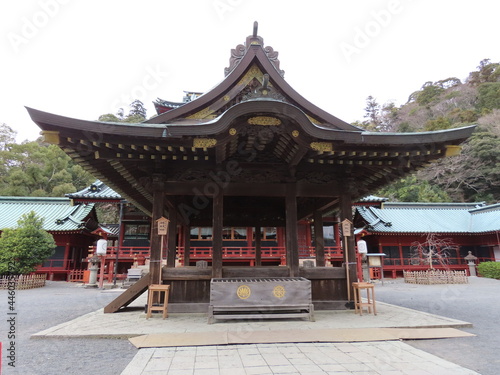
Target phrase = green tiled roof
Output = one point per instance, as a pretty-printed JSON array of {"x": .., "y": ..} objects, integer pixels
[
  {"x": 58, "y": 213},
  {"x": 432, "y": 218},
  {"x": 97, "y": 191}
]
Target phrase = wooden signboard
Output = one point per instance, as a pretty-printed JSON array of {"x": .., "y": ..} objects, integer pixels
[
  {"x": 346, "y": 227},
  {"x": 162, "y": 226}
]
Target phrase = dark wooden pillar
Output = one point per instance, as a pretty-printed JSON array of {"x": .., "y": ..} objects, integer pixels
[
  {"x": 292, "y": 248},
  {"x": 217, "y": 227},
  {"x": 319, "y": 239},
  {"x": 187, "y": 245},
  {"x": 172, "y": 240},
  {"x": 258, "y": 247},
  {"x": 155, "y": 252},
  {"x": 349, "y": 241}
]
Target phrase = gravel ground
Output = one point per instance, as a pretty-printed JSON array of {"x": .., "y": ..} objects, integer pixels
[
  {"x": 42, "y": 308},
  {"x": 477, "y": 302}
]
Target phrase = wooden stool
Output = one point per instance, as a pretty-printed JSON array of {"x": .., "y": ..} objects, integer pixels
[
  {"x": 158, "y": 288},
  {"x": 370, "y": 300}
]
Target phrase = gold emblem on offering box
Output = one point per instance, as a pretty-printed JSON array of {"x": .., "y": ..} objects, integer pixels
[
  {"x": 243, "y": 292},
  {"x": 279, "y": 291}
]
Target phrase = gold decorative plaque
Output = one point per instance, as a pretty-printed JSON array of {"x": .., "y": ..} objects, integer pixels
[
  {"x": 279, "y": 291},
  {"x": 51, "y": 137},
  {"x": 452, "y": 150},
  {"x": 264, "y": 120},
  {"x": 322, "y": 146},
  {"x": 204, "y": 142},
  {"x": 204, "y": 113},
  {"x": 243, "y": 292}
]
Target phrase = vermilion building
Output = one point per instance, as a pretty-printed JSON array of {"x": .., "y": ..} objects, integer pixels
[
  {"x": 71, "y": 226},
  {"x": 398, "y": 229}
]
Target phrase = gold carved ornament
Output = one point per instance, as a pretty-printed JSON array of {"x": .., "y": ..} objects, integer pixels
[
  {"x": 243, "y": 292},
  {"x": 264, "y": 120},
  {"x": 279, "y": 291},
  {"x": 253, "y": 72},
  {"x": 203, "y": 114},
  {"x": 322, "y": 146},
  {"x": 204, "y": 142}
]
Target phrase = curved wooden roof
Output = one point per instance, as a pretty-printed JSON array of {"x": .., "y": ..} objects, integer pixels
[{"x": 253, "y": 119}]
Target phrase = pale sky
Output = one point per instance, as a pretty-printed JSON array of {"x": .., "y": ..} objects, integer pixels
[{"x": 84, "y": 58}]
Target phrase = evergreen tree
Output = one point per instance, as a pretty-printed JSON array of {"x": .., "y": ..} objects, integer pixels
[
  {"x": 137, "y": 110},
  {"x": 25, "y": 247}
]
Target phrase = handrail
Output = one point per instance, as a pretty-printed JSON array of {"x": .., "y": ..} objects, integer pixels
[{"x": 127, "y": 252}]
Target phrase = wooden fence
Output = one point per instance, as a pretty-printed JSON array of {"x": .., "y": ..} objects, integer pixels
[
  {"x": 436, "y": 277},
  {"x": 76, "y": 276},
  {"x": 22, "y": 281}
]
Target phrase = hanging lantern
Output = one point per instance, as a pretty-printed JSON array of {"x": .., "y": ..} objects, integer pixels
[
  {"x": 362, "y": 248},
  {"x": 101, "y": 247}
]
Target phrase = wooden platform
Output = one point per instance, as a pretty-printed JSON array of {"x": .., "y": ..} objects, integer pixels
[{"x": 191, "y": 285}]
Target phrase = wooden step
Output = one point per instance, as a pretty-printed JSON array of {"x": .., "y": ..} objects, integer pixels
[{"x": 129, "y": 295}]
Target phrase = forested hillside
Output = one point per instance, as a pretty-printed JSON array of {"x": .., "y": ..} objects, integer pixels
[
  {"x": 37, "y": 169},
  {"x": 474, "y": 175}
]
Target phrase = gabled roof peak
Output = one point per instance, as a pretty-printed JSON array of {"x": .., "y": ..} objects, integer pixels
[{"x": 252, "y": 40}]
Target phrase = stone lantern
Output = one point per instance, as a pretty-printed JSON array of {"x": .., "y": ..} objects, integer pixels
[
  {"x": 471, "y": 262},
  {"x": 94, "y": 266}
]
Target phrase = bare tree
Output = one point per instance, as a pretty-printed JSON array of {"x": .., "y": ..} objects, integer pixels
[{"x": 433, "y": 250}]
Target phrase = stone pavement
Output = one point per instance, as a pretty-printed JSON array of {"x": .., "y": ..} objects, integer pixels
[
  {"x": 381, "y": 358},
  {"x": 389, "y": 357}
]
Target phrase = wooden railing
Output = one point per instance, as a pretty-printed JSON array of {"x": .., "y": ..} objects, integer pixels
[
  {"x": 126, "y": 252},
  {"x": 76, "y": 276},
  {"x": 233, "y": 253}
]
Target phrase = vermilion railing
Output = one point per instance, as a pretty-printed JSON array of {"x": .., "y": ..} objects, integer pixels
[
  {"x": 235, "y": 252},
  {"x": 202, "y": 252},
  {"x": 126, "y": 252}
]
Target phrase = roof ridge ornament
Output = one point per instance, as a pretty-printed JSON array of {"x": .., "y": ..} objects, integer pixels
[{"x": 240, "y": 50}]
